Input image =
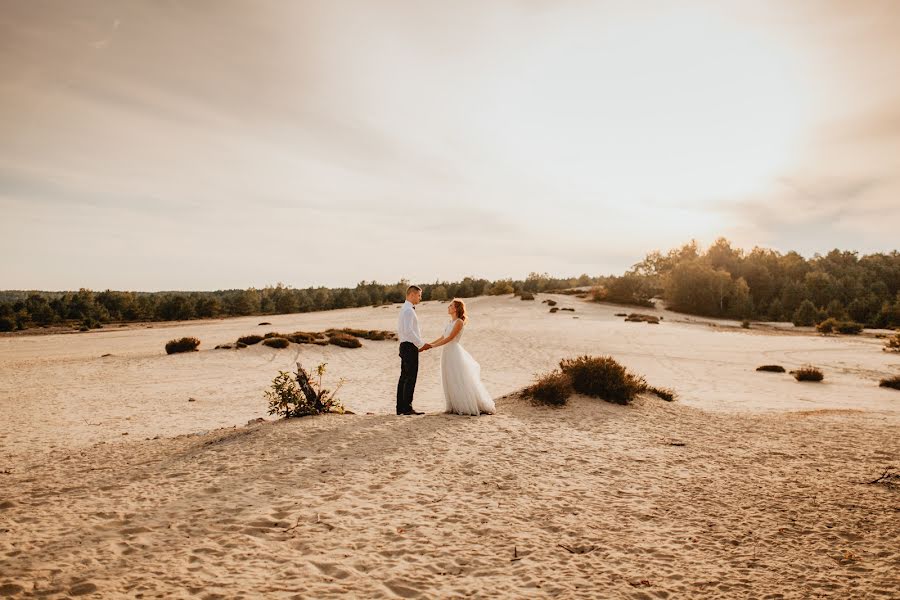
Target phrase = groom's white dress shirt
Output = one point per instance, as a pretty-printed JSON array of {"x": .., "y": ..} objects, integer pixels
[{"x": 408, "y": 328}]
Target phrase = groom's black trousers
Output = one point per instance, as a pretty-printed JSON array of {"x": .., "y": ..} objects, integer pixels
[{"x": 409, "y": 371}]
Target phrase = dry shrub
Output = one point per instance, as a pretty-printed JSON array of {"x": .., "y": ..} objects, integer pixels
[
  {"x": 552, "y": 389},
  {"x": 667, "y": 394},
  {"x": 344, "y": 340},
  {"x": 771, "y": 368},
  {"x": 641, "y": 318},
  {"x": 808, "y": 374},
  {"x": 527, "y": 296},
  {"x": 375, "y": 335},
  {"x": 250, "y": 339},
  {"x": 832, "y": 325},
  {"x": 306, "y": 337},
  {"x": 893, "y": 344},
  {"x": 602, "y": 377},
  {"x": 890, "y": 382},
  {"x": 185, "y": 344},
  {"x": 276, "y": 342},
  {"x": 554, "y": 310},
  {"x": 300, "y": 395}
]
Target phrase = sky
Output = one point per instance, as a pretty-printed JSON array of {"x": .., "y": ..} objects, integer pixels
[{"x": 199, "y": 145}]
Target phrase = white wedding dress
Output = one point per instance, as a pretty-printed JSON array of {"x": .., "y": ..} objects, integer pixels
[{"x": 461, "y": 377}]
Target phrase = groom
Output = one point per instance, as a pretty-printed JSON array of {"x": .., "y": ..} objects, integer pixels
[{"x": 410, "y": 345}]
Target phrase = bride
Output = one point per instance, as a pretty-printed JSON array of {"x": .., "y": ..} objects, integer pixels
[{"x": 460, "y": 374}]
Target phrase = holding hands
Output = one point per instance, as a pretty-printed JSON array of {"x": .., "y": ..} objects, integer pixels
[{"x": 425, "y": 347}]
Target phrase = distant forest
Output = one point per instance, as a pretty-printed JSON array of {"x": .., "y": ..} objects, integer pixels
[
  {"x": 86, "y": 309},
  {"x": 763, "y": 284},
  {"x": 722, "y": 281}
]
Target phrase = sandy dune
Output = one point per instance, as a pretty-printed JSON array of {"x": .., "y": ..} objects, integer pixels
[{"x": 752, "y": 485}]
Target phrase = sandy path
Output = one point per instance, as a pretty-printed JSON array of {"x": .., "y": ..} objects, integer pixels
[{"x": 437, "y": 506}]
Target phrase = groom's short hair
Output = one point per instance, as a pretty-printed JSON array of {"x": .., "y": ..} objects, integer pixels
[{"x": 413, "y": 288}]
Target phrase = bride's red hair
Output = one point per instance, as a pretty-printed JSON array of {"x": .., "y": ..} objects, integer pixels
[{"x": 460, "y": 307}]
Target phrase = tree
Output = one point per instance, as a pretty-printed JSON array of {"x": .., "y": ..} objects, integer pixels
[{"x": 806, "y": 315}]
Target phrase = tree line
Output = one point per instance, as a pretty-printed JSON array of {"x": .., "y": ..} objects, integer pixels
[
  {"x": 764, "y": 284},
  {"x": 88, "y": 309}
]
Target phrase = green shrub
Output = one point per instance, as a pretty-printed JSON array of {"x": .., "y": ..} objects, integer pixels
[
  {"x": 849, "y": 327},
  {"x": 808, "y": 374},
  {"x": 771, "y": 368},
  {"x": 299, "y": 395},
  {"x": 602, "y": 377},
  {"x": 185, "y": 344},
  {"x": 890, "y": 382},
  {"x": 276, "y": 342},
  {"x": 344, "y": 340},
  {"x": 250, "y": 339},
  {"x": 502, "y": 288},
  {"x": 551, "y": 389},
  {"x": 832, "y": 325}
]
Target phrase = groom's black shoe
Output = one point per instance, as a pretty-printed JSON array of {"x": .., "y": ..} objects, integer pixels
[{"x": 411, "y": 412}]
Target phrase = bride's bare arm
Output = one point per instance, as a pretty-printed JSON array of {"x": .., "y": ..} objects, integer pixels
[{"x": 457, "y": 327}]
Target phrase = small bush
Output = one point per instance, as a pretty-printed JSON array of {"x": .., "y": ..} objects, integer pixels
[
  {"x": 274, "y": 334},
  {"x": 264, "y": 323},
  {"x": 745, "y": 324},
  {"x": 890, "y": 382},
  {"x": 771, "y": 368},
  {"x": 568, "y": 309},
  {"x": 550, "y": 302},
  {"x": 832, "y": 325},
  {"x": 304, "y": 337},
  {"x": 552, "y": 389},
  {"x": 344, "y": 340},
  {"x": 808, "y": 374},
  {"x": 554, "y": 309},
  {"x": 621, "y": 314},
  {"x": 373, "y": 334},
  {"x": 602, "y": 377},
  {"x": 527, "y": 296},
  {"x": 299, "y": 395},
  {"x": 667, "y": 394},
  {"x": 276, "y": 342},
  {"x": 185, "y": 344},
  {"x": 250, "y": 339},
  {"x": 641, "y": 318},
  {"x": 892, "y": 344}
]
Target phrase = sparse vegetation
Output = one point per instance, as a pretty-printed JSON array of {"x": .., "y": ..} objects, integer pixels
[
  {"x": 527, "y": 296},
  {"x": 641, "y": 318},
  {"x": 890, "y": 382},
  {"x": 552, "y": 389},
  {"x": 602, "y": 377},
  {"x": 667, "y": 394},
  {"x": 771, "y": 368},
  {"x": 276, "y": 342},
  {"x": 808, "y": 373},
  {"x": 299, "y": 395},
  {"x": 185, "y": 344},
  {"x": 375, "y": 335},
  {"x": 344, "y": 340},
  {"x": 250, "y": 339},
  {"x": 893, "y": 343},
  {"x": 832, "y": 325}
]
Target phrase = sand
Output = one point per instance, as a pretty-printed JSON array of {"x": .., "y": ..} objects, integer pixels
[{"x": 750, "y": 485}]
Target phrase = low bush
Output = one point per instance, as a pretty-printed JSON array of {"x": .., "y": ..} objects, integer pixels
[
  {"x": 274, "y": 334},
  {"x": 621, "y": 314},
  {"x": 890, "y": 382},
  {"x": 185, "y": 344},
  {"x": 375, "y": 335},
  {"x": 344, "y": 340},
  {"x": 250, "y": 339},
  {"x": 667, "y": 394},
  {"x": 264, "y": 323},
  {"x": 298, "y": 395},
  {"x": 641, "y": 318},
  {"x": 554, "y": 309},
  {"x": 892, "y": 344},
  {"x": 550, "y": 302},
  {"x": 771, "y": 368},
  {"x": 276, "y": 342},
  {"x": 808, "y": 374},
  {"x": 832, "y": 325},
  {"x": 304, "y": 337},
  {"x": 602, "y": 377},
  {"x": 552, "y": 389},
  {"x": 745, "y": 324},
  {"x": 527, "y": 296},
  {"x": 568, "y": 309}
]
